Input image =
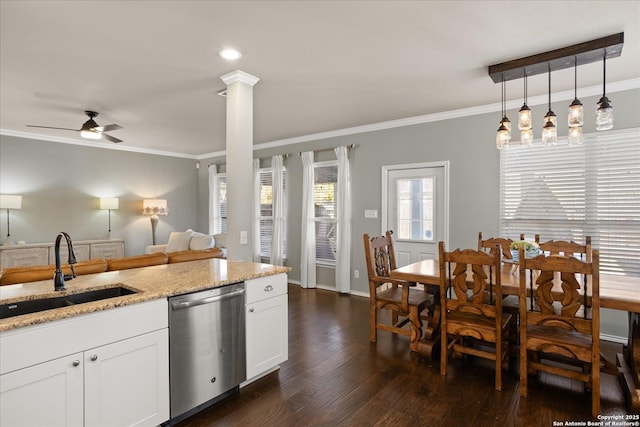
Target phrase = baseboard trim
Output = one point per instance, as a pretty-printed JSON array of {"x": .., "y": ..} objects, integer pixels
[{"x": 332, "y": 289}]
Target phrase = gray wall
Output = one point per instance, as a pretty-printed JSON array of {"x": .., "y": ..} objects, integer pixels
[{"x": 60, "y": 185}]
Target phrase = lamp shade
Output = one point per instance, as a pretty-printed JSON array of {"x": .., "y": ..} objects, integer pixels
[
  {"x": 109, "y": 203},
  {"x": 154, "y": 207},
  {"x": 10, "y": 201}
]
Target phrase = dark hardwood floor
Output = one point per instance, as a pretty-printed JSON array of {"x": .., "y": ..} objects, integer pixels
[{"x": 335, "y": 377}]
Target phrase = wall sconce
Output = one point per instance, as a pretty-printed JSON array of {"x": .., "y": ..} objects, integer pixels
[
  {"x": 109, "y": 203},
  {"x": 9, "y": 201},
  {"x": 154, "y": 207}
]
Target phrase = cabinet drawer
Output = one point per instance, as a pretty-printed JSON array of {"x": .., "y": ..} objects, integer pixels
[
  {"x": 23, "y": 257},
  {"x": 265, "y": 287}
]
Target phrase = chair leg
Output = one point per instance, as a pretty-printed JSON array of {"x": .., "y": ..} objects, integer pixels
[
  {"x": 499, "y": 350},
  {"x": 394, "y": 317},
  {"x": 373, "y": 322},
  {"x": 523, "y": 368}
]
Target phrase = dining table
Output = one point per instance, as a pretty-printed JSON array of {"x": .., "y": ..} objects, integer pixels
[{"x": 617, "y": 292}]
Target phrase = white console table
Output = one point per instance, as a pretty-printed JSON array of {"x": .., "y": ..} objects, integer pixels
[{"x": 44, "y": 253}]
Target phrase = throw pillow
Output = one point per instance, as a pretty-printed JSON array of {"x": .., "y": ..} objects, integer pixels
[
  {"x": 201, "y": 241},
  {"x": 179, "y": 241}
]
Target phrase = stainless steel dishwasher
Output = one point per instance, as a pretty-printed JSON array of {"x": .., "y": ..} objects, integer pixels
[{"x": 206, "y": 347}]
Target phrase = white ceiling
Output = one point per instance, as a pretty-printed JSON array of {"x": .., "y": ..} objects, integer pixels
[{"x": 152, "y": 66}]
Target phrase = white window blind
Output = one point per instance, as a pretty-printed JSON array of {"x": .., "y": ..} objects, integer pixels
[
  {"x": 266, "y": 210},
  {"x": 325, "y": 193},
  {"x": 570, "y": 192},
  {"x": 222, "y": 197}
]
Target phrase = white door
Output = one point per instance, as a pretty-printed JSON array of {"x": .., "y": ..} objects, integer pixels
[{"x": 415, "y": 208}]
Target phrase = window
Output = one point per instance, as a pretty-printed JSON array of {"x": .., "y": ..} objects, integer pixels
[
  {"x": 567, "y": 193},
  {"x": 222, "y": 198},
  {"x": 325, "y": 192},
  {"x": 266, "y": 211},
  {"x": 415, "y": 201}
]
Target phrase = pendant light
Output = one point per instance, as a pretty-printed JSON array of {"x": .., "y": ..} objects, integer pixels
[
  {"x": 504, "y": 131},
  {"x": 524, "y": 115},
  {"x": 604, "y": 113},
  {"x": 550, "y": 130},
  {"x": 575, "y": 119}
]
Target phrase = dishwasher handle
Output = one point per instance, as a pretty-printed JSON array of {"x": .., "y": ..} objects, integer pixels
[{"x": 179, "y": 305}]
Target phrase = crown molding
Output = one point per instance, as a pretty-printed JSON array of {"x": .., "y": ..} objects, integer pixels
[
  {"x": 239, "y": 76},
  {"x": 107, "y": 146}
]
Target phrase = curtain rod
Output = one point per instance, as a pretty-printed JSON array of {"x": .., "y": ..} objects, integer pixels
[
  {"x": 350, "y": 147},
  {"x": 285, "y": 155}
]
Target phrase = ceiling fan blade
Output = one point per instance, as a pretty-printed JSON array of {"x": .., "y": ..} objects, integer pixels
[
  {"x": 110, "y": 138},
  {"x": 50, "y": 127},
  {"x": 108, "y": 128}
]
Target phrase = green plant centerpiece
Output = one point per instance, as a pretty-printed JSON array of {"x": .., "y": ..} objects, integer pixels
[{"x": 531, "y": 249}]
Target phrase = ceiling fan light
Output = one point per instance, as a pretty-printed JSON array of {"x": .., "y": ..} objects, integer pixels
[{"x": 90, "y": 134}]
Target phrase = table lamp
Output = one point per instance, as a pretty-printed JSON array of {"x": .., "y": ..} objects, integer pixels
[{"x": 154, "y": 207}]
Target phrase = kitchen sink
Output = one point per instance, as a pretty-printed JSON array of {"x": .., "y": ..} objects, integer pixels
[{"x": 42, "y": 304}]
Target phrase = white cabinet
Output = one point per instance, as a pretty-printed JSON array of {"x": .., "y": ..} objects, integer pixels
[
  {"x": 267, "y": 324},
  {"x": 121, "y": 376},
  {"x": 129, "y": 375},
  {"x": 48, "y": 394},
  {"x": 44, "y": 253}
]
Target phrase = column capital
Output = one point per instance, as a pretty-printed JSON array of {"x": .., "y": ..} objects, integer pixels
[{"x": 239, "y": 76}]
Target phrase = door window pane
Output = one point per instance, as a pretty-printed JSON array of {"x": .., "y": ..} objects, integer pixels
[{"x": 416, "y": 207}]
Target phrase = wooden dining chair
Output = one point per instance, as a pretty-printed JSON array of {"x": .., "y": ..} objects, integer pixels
[
  {"x": 510, "y": 304},
  {"x": 567, "y": 248},
  {"x": 559, "y": 320},
  {"x": 403, "y": 298},
  {"x": 471, "y": 324}
]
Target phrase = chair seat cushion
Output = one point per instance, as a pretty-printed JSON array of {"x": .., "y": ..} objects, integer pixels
[
  {"x": 416, "y": 296},
  {"x": 559, "y": 341}
]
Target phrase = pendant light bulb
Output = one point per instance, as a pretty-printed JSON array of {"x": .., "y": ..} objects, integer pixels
[
  {"x": 576, "y": 136},
  {"x": 576, "y": 110},
  {"x": 604, "y": 113},
  {"x": 550, "y": 128},
  {"x": 524, "y": 115},
  {"x": 526, "y": 137},
  {"x": 503, "y": 137}
]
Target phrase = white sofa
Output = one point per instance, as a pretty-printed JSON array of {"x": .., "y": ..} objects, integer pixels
[{"x": 190, "y": 240}]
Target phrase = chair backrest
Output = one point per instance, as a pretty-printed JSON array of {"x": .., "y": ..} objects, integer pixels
[
  {"x": 379, "y": 254},
  {"x": 471, "y": 290},
  {"x": 560, "y": 289},
  {"x": 489, "y": 245},
  {"x": 567, "y": 248}
]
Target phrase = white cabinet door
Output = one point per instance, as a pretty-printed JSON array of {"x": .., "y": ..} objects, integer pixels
[
  {"x": 48, "y": 394},
  {"x": 23, "y": 257},
  {"x": 127, "y": 382},
  {"x": 267, "y": 334}
]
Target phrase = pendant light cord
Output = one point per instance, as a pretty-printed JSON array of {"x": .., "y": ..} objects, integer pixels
[
  {"x": 604, "y": 73},
  {"x": 549, "y": 65},
  {"x": 575, "y": 78}
]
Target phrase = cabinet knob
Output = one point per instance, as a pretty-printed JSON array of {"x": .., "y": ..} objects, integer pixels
[
  {"x": 268, "y": 288},
  {"x": 251, "y": 310},
  {"x": 76, "y": 363},
  {"x": 94, "y": 358}
]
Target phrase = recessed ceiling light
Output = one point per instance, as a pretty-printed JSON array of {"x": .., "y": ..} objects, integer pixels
[{"x": 230, "y": 54}]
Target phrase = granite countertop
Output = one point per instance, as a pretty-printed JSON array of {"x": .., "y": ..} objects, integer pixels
[{"x": 160, "y": 281}]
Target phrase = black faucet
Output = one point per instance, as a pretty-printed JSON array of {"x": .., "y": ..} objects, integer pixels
[{"x": 58, "y": 277}]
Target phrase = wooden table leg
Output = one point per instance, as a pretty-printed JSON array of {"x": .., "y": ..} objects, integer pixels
[
  {"x": 630, "y": 365},
  {"x": 429, "y": 345}
]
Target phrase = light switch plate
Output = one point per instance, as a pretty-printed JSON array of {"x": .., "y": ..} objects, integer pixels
[
  {"x": 243, "y": 237},
  {"x": 371, "y": 213}
]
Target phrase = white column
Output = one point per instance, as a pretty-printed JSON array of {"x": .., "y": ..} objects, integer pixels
[{"x": 239, "y": 164}]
